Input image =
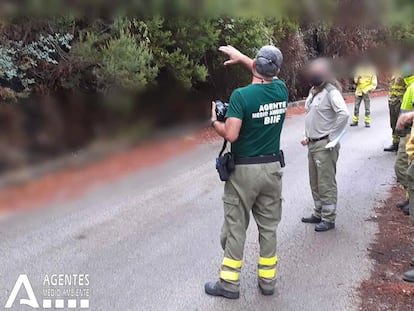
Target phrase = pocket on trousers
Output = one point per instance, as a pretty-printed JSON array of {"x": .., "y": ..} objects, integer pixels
[
  {"x": 231, "y": 199},
  {"x": 279, "y": 210},
  {"x": 276, "y": 170},
  {"x": 231, "y": 208}
]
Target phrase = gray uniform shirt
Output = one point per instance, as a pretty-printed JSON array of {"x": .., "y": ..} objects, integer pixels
[{"x": 326, "y": 113}]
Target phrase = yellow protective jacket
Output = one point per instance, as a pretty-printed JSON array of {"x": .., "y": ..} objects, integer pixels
[
  {"x": 366, "y": 80},
  {"x": 397, "y": 87},
  {"x": 407, "y": 104}
]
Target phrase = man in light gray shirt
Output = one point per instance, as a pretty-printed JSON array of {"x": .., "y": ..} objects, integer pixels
[{"x": 326, "y": 118}]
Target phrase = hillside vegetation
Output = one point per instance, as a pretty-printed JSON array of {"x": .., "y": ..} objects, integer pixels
[{"x": 68, "y": 79}]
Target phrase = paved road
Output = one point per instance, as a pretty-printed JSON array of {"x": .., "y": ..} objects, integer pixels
[{"x": 151, "y": 240}]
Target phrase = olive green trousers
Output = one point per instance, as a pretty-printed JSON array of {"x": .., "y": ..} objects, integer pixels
[
  {"x": 394, "y": 105},
  {"x": 322, "y": 177},
  {"x": 401, "y": 163},
  {"x": 256, "y": 189},
  {"x": 410, "y": 178},
  {"x": 367, "y": 103}
]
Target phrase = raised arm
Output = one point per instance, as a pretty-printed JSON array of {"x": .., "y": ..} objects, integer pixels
[{"x": 236, "y": 57}]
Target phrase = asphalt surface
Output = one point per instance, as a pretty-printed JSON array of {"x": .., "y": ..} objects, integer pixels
[{"x": 151, "y": 240}]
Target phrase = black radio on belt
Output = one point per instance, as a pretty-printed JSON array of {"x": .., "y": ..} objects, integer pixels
[
  {"x": 225, "y": 166},
  {"x": 225, "y": 163}
]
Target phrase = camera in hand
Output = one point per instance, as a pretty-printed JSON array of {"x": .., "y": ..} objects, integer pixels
[{"x": 221, "y": 110}]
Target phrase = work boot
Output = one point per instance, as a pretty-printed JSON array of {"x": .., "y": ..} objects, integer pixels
[
  {"x": 324, "y": 226},
  {"x": 354, "y": 124},
  {"x": 401, "y": 205},
  {"x": 311, "y": 220},
  {"x": 367, "y": 125},
  {"x": 215, "y": 289},
  {"x": 392, "y": 148},
  {"x": 266, "y": 292},
  {"x": 406, "y": 210},
  {"x": 409, "y": 276}
]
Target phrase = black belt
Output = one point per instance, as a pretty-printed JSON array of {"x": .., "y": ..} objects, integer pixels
[
  {"x": 313, "y": 140},
  {"x": 262, "y": 159}
]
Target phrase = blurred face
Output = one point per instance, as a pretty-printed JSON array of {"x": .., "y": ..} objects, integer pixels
[
  {"x": 317, "y": 73},
  {"x": 407, "y": 69}
]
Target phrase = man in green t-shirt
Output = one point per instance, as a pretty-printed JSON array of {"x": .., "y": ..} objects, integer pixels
[{"x": 254, "y": 122}]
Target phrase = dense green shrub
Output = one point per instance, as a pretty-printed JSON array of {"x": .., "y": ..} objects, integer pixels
[
  {"x": 120, "y": 60},
  {"x": 180, "y": 45},
  {"x": 127, "y": 64}
]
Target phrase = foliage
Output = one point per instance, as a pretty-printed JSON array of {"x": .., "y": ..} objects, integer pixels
[
  {"x": 18, "y": 59},
  {"x": 402, "y": 34},
  {"x": 179, "y": 48},
  {"x": 133, "y": 53},
  {"x": 134, "y": 63},
  {"x": 247, "y": 34},
  {"x": 127, "y": 64},
  {"x": 122, "y": 60}
]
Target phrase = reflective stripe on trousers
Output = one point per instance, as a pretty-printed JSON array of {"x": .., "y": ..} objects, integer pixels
[
  {"x": 267, "y": 267},
  {"x": 367, "y": 103},
  {"x": 230, "y": 270}
]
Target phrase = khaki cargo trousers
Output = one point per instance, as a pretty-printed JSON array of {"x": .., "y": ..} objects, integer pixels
[
  {"x": 255, "y": 188},
  {"x": 322, "y": 177},
  {"x": 410, "y": 178},
  {"x": 401, "y": 163}
]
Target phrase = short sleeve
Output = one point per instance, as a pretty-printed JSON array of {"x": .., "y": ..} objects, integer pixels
[{"x": 236, "y": 106}]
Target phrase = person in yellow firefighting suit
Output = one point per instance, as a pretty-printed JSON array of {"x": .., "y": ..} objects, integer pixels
[
  {"x": 405, "y": 121},
  {"x": 402, "y": 122},
  {"x": 395, "y": 96},
  {"x": 407, "y": 106},
  {"x": 366, "y": 81}
]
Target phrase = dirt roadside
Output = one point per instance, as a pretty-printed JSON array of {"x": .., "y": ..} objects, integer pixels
[{"x": 391, "y": 252}]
